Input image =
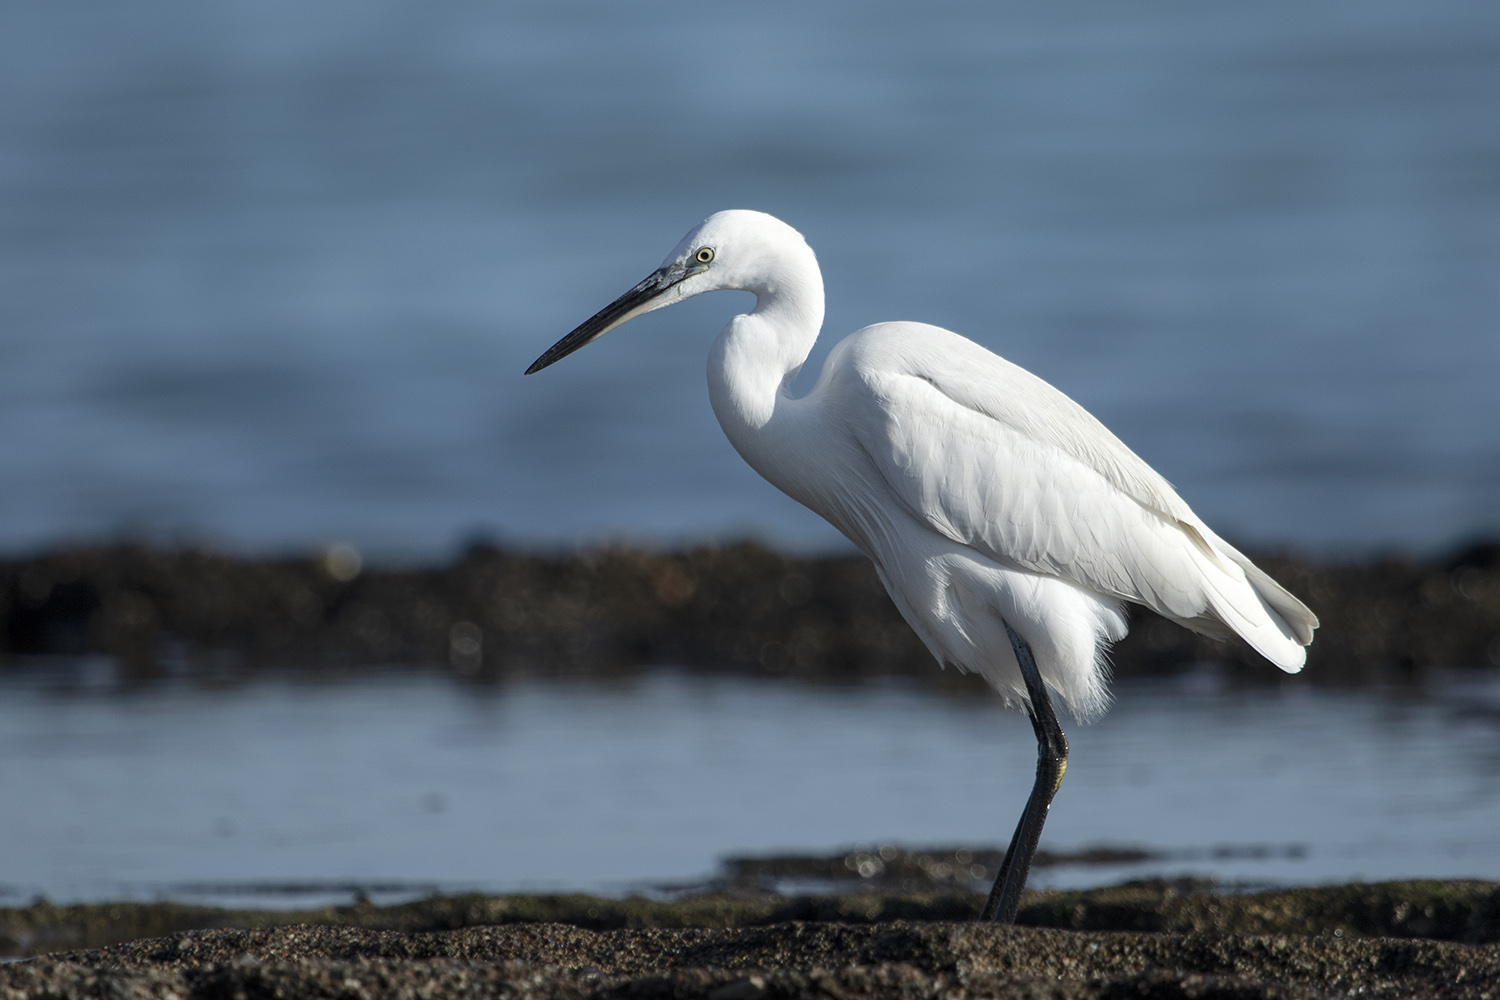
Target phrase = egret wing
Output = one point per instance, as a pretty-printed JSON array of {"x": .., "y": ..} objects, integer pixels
[{"x": 992, "y": 457}]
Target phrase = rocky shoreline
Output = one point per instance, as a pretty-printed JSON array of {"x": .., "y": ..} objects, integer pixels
[
  {"x": 1154, "y": 939},
  {"x": 495, "y": 613}
]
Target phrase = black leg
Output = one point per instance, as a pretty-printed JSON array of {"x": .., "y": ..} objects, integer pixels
[{"x": 1051, "y": 762}]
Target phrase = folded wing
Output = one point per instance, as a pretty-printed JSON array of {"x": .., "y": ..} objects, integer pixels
[{"x": 993, "y": 457}]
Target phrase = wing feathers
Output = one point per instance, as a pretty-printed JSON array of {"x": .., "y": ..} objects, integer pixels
[
  {"x": 1296, "y": 614},
  {"x": 991, "y": 456}
]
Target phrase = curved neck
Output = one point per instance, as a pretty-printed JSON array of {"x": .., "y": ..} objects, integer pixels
[{"x": 755, "y": 358}]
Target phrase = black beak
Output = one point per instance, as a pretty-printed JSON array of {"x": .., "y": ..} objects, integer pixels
[{"x": 639, "y": 299}]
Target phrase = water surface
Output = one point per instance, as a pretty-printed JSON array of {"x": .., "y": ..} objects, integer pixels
[
  {"x": 270, "y": 272},
  {"x": 409, "y": 782}
]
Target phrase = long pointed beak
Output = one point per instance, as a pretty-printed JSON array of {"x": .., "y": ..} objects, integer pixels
[{"x": 641, "y": 299}]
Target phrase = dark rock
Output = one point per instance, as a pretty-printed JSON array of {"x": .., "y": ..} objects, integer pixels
[
  {"x": 495, "y": 613},
  {"x": 1460, "y": 911},
  {"x": 783, "y": 961}
]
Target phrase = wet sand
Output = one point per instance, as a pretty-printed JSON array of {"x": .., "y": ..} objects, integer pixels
[
  {"x": 495, "y": 613},
  {"x": 1156, "y": 939}
]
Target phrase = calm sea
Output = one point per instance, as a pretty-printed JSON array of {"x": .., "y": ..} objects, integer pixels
[
  {"x": 270, "y": 271},
  {"x": 278, "y": 792}
]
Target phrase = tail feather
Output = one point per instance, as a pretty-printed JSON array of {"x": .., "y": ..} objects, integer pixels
[
  {"x": 1278, "y": 626},
  {"x": 1267, "y": 632},
  {"x": 1296, "y": 614}
]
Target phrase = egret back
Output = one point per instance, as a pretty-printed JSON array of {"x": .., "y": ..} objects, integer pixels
[{"x": 989, "y": 456}]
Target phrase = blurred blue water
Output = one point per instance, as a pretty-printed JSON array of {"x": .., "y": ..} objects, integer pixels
[
  {"x": 414, "y": 782},
  {"x": 269, "y": 272}
]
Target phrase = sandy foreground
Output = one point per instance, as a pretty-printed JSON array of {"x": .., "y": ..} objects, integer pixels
[{"x": 1154, "y": 939}]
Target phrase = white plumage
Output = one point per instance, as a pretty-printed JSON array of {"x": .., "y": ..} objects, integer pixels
[
  {"x": 984, "y": 496},
  {"x": 1003, "y": 496}
]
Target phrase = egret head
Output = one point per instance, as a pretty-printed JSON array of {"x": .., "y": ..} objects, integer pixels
[{"x": 736, "y": 249}]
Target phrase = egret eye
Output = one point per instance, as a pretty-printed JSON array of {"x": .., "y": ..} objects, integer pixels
[{"x": 704, "y": 255}]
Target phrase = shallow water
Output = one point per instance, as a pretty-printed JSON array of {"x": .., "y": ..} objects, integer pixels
[
  {"x": 269, "y": 272},
  {"x": 288, "y": 792}
]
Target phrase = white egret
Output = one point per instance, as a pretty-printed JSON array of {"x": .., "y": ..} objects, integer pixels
[{"x": 1005, "y": 522}]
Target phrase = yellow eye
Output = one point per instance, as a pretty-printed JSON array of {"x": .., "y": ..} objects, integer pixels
[{"x": 704, "y": 255}]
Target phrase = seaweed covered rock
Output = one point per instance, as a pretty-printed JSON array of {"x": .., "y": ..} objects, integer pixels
[
  {"x": 780, "y": 962},
  {"x": 494, "y": 613},
  {"x": 1460, "y": 911}
]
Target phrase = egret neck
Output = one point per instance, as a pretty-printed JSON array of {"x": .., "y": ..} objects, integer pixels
[{"x": 757, "y": 355}]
